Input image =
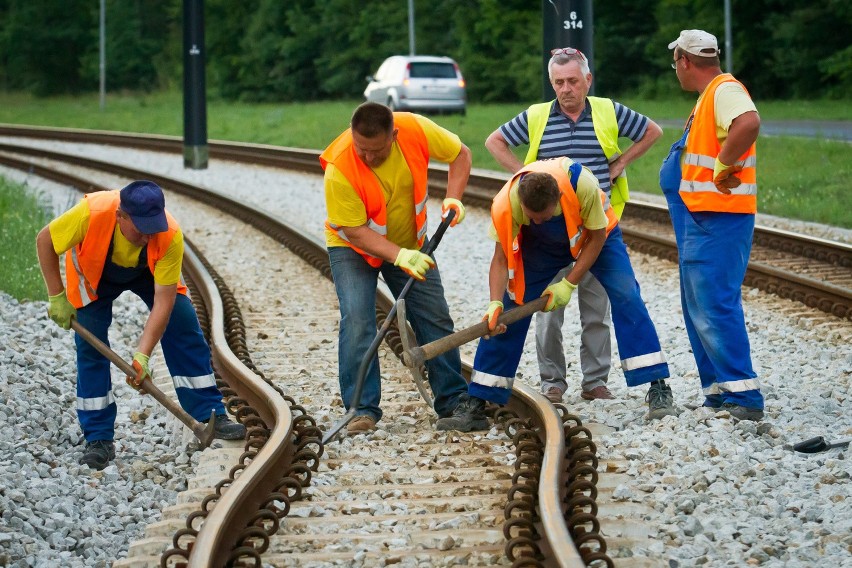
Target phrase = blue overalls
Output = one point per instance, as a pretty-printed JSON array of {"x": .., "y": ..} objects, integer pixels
[
  {"x": 546, "y": 250},
  {"x": 186, "y": 352},
  {"x": 713, "y": 251}
]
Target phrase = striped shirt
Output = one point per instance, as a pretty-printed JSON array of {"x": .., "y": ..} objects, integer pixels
[{"x": 577, "y": 140}]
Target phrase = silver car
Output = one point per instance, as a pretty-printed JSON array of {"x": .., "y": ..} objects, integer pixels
[{"x": 419, "y": 83}]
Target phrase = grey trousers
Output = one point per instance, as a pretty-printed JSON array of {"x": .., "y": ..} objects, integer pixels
[{"x": 595, "y": 341}]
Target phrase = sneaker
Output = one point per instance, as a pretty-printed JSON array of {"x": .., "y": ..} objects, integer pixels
[
  {"x": 467, "y": 416},
  {"x": 597, "y": 393},
  {"x": 553, "y": 394},
  {"x": 226, "y": 429},
  {"x": 361, "y": 424},
  {"x": 98, "y": 454},
  {"x": 660, "y": 401},
  {"x": 743, "y": 412}
]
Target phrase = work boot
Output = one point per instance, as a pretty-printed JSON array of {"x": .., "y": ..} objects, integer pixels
[
  {"x": 553, "y": 394},
  {"x": 743, "y": 412},
  {"x": 467, "y": 416},
  {"x": 361, "y": 424},
  {"x": 226, "y": 429},
  {"x": 98, "y": 454},
  {"x": 660, "y": 401}
]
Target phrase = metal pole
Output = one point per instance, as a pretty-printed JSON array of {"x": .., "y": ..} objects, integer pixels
[
  {"x": 729, "y": 67},
  {"x": 566, "y": 23},
  {"x": 102, "y": 62},
  {"x": 411, "y": 27},
  {"x": 195, "y": 151}
]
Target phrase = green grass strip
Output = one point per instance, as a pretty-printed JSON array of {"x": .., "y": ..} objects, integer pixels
[{"x": 22, "y": 216}]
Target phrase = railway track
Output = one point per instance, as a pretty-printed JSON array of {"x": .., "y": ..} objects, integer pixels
[
  {"x": 806, "y": 269},
  {"x": 357, "y": 501},
  {"x": 512, "y": 488}
]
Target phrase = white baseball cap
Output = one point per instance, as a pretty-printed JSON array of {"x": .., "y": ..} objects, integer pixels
[{"x": 696, "y": 42}]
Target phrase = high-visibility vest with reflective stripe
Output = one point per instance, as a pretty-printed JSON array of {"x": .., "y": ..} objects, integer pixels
[
  {"x": 606, "y": 131},
  {"x": 699, "y": 157},
  {"x": 501, "y": 215},
  {"x": 414, "y": 146},
  {"x": 84, "y": 263}
]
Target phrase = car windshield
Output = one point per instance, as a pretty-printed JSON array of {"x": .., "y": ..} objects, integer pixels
[{"x": 432, "y": 70}]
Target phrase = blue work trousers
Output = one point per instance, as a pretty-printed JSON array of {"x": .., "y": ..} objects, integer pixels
[
  {"x": 426, "y": 309},
  {"x": 713, "y": 253},
  {"x": 184, "y": 348},
  {"x": 642, "y": 359}
]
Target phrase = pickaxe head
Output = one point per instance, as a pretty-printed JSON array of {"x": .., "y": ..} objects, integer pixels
[
  {"x": 412, "y": 356},
  {"x": 205, "y": 433}
]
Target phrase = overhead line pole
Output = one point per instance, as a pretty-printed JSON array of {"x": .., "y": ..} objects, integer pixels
[
  {"x": 410, "y": 27},
  {"x": 102, "y": 57}
]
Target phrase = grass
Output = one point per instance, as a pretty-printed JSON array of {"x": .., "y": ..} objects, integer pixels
[
  {"x": 21, "y": 218},
  {"x": 799, "y": 178}
]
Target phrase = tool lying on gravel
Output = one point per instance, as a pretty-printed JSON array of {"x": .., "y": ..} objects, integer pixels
[
  {"x": 818, "y": 444},
  {"x": 415, "y": 357},
  {"x": 202, "y": 432},
  {"x": 374, "y": 346}
]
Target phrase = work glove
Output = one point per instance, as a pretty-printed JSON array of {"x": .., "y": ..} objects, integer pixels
[
  {"x": 60, "y": 310},
  {"x": 140, "y": 365},
  {"x": 723, "y": 177},
  {"x": 455, "y": 205},
  {"x": 560, "y": 294},
  {"x": 495, "y": 308},
  {"x": 414, "y": 263}
]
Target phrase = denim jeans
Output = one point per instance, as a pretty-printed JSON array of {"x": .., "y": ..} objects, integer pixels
[{"x": 355, "y": 282}]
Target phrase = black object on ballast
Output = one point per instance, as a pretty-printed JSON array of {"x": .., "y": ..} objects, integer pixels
[{"x": 818, "y": 444}]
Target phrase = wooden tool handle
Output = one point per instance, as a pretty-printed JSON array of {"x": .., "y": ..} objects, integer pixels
[{"x": 439, "y": 346}]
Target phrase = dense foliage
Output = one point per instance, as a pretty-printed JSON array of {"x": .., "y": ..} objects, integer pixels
[{"x": 268, "y": 50}]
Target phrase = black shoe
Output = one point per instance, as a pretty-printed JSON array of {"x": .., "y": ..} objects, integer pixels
[
  {"x": 743, "y": 412},
  {"x": 660, "y": 401},
  {"x": 467, "y": 416},
  {"x": 226, "y": 429},
  {"x": 98, "y": 454}
]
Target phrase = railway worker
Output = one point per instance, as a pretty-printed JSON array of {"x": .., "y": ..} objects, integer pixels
[
  {"x": 709, "y": 182},
  {"x": 375, "y": 190},
  {"x": 116, "y": 241},
  {"x": 586, "y": 129},
  {"x": 549, "y": 216}
]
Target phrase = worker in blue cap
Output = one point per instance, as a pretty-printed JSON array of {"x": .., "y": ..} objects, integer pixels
[{"x": 116, "y": 241}]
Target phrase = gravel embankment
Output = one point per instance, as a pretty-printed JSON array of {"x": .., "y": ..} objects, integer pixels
[{"x": 725, "y": 494}]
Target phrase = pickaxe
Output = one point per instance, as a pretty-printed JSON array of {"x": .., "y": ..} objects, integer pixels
[
  {"x": 374, "y": 346},
  {"x": 204, "y": 434},
  {"x": 414, "y": 357}
]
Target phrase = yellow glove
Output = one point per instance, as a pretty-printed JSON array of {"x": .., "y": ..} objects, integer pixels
[
  {"x": 140, "y": 365},
  {"x": 60, "y": 310},
  {"x": 723, "y": 177},
  {"x": 414, "y": 263},
  {"x": 560, "y": 294},
  {"x": 455, "y": 205},
  {"x": 495, "y": 308}
]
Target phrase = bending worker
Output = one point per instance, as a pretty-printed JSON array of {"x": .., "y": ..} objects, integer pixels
[
  {"x": 116, "y": 241},
  {"x": 551, "y": 215},
  {"x": 375, "y": 192},
  {"x": 709, "y": 180},
  {"x": 585, "y": 129}
]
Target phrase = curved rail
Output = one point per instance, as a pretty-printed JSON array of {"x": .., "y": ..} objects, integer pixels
[{"x": 220, "y": 536}]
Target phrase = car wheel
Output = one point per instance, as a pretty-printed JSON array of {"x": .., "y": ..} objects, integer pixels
[{"x": 391, "y": 105}]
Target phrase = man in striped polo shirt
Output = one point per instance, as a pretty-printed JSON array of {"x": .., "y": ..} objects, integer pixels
[{"x": 586, "y": 129}]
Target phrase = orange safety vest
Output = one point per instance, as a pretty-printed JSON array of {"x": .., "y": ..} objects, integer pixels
[
  {"x": 84, "y": 262},
  {"x": 702, "y": 148},
  {"x": 414, "y": 146},
  {"x": 501, "y": 215}
]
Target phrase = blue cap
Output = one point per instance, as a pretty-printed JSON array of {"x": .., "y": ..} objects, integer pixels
[{"x": 144, "y": 202}]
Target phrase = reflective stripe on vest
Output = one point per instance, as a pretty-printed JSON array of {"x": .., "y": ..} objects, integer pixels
[
  {"x": 414, "y": 146},
  {"x": 697, "y": 189},
  {"x": 84, "y": 263},
  {"x": 501, "y": 215},
  {"x": 605, "y": 124}
]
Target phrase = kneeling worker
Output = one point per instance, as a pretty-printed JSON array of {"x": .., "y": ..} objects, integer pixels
[
  {"x": 126, "y": 240},
  {"x": 548, "y": 216}
]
